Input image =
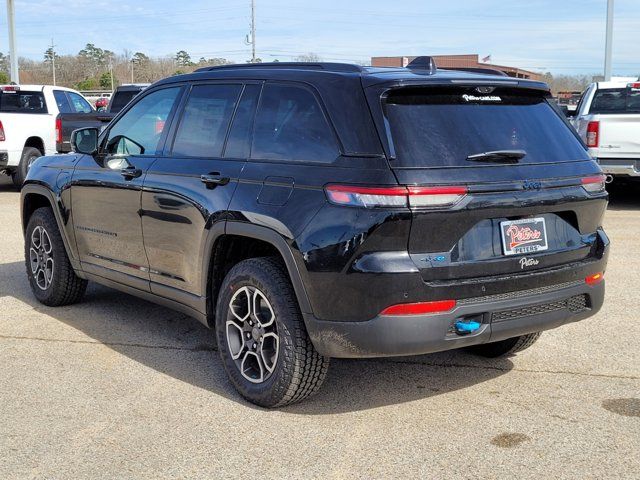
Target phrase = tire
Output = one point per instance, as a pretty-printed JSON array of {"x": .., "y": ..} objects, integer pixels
[
  {"x": 51, "y": 277},
  {"x": 506, "y": 347},
  {"x": 29, "y": 154},
  {"x": 296, "y": 370}
]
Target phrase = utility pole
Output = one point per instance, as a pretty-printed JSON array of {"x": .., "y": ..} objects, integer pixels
[
  {"x": 111, "y": 73},
  {"x": 53, "y": 62},
  {"x": 15, "y": 75},
  {"x": 608, "y": 47},
  {"x": 252, "y": 42},
  {"x": 132, "y": 63}
]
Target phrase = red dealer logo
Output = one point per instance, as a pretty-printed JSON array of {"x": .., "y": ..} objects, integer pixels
[{"x": 521, "y": 235}]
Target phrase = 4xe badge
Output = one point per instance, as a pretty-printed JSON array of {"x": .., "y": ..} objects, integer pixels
[{"x": 523, "y": 236}]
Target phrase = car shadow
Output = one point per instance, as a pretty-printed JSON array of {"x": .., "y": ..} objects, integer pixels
[
  {"x": 6, "y": 185},
  {"x": 624, "y": 195},
  {"x": 177, "y": 345}
]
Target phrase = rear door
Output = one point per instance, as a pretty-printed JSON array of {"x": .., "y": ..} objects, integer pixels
[
  {"x": 188, "y": 189},
  {"x": 482, "y": 212}
]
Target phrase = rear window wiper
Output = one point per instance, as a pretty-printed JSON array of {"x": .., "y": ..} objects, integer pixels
[{"x": 498, "y": 156}]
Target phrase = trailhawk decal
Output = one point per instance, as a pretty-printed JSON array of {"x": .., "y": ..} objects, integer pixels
[{"x": 483, "y": 98}]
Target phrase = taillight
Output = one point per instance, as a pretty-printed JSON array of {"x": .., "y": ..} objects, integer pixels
[
  {"x": 2, "y": 137},
  {"x": 58, "y": 130},
  {"x": 593, "y": 134},
  {"x": 594, "y": 279},
  {"x": 594, "y": 184},
  {"x": 415, "y": 197},
  {"x": 420, "y": 308},
  {"x": 435, "y": 196}
]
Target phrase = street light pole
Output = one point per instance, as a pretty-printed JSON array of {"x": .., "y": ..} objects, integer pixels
[
  {"x": 15, "y": 75},
  {"x": 608, "y": 42}
]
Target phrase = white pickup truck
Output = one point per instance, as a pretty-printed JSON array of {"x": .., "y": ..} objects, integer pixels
[
  {"x": 37, "y": 120},
  {"x": 608, "y": 120}
]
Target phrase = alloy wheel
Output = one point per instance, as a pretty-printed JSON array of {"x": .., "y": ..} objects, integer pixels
[
  {"x": 41, "y": 258},
  {"x": 252, "y": 335}
]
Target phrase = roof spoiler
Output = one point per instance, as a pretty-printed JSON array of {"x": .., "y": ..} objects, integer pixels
[
  {"x": 484, "y": 71},
  {"x": 423, "y": 63}
]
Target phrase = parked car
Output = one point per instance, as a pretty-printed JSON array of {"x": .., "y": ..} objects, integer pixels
[
  {"x": 102, "y": 103},
  {"x": 123, "y": 95},
  {"x": 608, "y": 120},
  {"x": 37, "y": 120},
  {"x": 308, "y": 211}
]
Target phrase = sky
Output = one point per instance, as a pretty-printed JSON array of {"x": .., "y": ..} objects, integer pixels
[{"x": 561, "y": 36}]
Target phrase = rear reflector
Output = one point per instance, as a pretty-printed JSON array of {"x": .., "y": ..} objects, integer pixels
[
  {"x": 594, "y": 279},
  {"x": 2, "y": 137},
  {"x": 594, "y": 184},
  {"x": 399, "y": 196},
  {"x": 420, "y": 308},
  {"x": 593, "y": 134}
]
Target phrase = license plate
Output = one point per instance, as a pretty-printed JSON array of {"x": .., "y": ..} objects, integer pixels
[{"x": 527, "y": 235}]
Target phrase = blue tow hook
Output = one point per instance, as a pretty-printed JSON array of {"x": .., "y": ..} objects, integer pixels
[{"x": 466, "y": 327}]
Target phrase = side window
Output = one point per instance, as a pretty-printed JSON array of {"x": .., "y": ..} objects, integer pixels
[
  {"x": 290, "y": 125},
  {"x": 139, "y": 130},
  {"x": 79, "y": 104},
  {"x": 61, "y": 100},
  {"x": 205, "y": 120},
  {"x": 238, "y": 143}
]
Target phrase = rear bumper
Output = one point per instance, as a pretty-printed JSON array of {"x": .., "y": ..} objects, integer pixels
[
  {"x": 627, "y": 167},
  {"x": 501, "y": 317}
]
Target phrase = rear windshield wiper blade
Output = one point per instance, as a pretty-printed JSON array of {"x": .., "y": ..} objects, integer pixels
[{"x": 498, "y": 156}]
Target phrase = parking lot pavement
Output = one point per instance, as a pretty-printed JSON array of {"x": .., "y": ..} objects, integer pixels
[{"x": 116, "y": 387}]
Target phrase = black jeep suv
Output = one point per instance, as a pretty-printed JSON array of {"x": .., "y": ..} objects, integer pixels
[{"x": 309, "y": 211}]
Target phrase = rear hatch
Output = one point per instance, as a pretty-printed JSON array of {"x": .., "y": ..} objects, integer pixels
[
  {"x": 618, "y": 114},
  {"x": 515, "y": 172}
]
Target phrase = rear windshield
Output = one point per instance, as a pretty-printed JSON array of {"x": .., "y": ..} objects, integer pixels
[
  {"x": 121, "y": 98},
  {"x": 441, "y": 127},
  {"x": 22, "y": 102},
  {"x": 616, "y": 100}
]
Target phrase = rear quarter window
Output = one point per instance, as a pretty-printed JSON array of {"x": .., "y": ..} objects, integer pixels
[{"x": 441, "y": 127}]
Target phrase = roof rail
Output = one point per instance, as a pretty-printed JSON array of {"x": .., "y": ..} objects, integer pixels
[
  {"x": 328, "y": 66},
  {"x": 423, "y": 63},
  {"x": 480, "y": 70}
]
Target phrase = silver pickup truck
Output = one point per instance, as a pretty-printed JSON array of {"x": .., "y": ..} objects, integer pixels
[{"x": 608, "y": 120}]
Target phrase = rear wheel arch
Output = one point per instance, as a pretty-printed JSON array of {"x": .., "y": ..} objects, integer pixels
[
  {"x": 35, "y": 142},
  {"x": 242, "y": 241}
]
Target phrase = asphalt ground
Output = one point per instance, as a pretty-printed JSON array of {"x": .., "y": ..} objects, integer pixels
[{"x": 116, "y": 387}]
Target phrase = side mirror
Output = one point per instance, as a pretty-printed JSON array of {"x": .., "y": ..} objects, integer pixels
[{"x": 85, "y": 140}]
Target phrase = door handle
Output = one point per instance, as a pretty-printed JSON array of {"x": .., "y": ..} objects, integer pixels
[
  {"x": 130, "y": 173},
  {"x": 212, "y": 180}
]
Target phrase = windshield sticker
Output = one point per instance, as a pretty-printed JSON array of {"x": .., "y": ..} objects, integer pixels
[{"x": 483, "y": 98}]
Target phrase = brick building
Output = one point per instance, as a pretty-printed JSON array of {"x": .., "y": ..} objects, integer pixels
[{"x": 456, "y": 61}]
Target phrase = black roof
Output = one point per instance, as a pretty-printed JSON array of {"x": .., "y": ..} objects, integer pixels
[{"x": 421, "y": 70}]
